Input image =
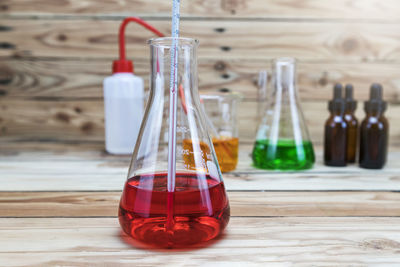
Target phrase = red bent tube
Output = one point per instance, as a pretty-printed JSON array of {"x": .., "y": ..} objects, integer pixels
[{"x": 122, "y": 33}]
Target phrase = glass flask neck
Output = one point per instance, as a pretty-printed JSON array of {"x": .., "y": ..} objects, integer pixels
[
  {"x": 168, "y": 41},
  {"x": 285, "y": 75},
  {"x": 160, "y": 49}
]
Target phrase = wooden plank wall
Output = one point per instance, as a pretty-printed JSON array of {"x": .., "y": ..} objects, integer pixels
[{"x": 54, "y": 55}]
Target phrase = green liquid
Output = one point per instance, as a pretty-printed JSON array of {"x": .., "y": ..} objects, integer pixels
[{"x": 285, "y": 155}]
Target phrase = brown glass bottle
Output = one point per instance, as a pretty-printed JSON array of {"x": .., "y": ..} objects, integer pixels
[
  {"x": 352, "y": 124},
  {"x": 374, "y": 131},
  {"x": 335, "y": 144}
]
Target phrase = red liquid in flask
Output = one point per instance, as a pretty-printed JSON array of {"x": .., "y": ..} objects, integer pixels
[{"x": 199, "y": 208}]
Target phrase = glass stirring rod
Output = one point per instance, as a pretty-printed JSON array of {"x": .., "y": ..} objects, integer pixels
[{"x": 172, "y": 113}]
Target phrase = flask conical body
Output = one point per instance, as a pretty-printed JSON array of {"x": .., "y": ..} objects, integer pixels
[
  {"x": 193, "y": 207},
  {"x": 282, "y": 141}
]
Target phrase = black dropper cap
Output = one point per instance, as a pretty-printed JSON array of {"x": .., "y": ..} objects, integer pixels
[
  {"x": 375, "y": 102},
  {"x": 351, "y": 104},
  {"x": 337, "y": 103}
]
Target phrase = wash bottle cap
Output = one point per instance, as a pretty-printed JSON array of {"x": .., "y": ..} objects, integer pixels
[
  {"x": 124, "y": 65},
  {"x": 337, "y": 104},
  {"x": 375, "y": 102},
  {"x": 351, "y": 104}
]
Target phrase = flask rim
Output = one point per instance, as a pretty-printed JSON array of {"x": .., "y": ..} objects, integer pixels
[
  {"x": 221, "y": 96},
  {"x": 285, "y": 60},
  {"x": 167, "y": 41}
]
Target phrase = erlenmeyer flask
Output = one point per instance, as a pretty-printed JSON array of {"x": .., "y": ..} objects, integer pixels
[
  {"x": 196, "y": 209},
  {"x": 283, "y": 141}
]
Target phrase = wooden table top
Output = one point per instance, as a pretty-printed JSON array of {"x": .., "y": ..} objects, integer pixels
[{"x": 58, "y": 207}]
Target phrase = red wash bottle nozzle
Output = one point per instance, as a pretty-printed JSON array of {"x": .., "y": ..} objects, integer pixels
[{"x": 123, "y": 65}]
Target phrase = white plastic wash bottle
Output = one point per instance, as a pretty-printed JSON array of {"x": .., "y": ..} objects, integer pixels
[{"x": 123, "y": 99}]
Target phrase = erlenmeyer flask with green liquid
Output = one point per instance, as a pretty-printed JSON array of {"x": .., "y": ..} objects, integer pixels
[{"x": 282, "y": 141}]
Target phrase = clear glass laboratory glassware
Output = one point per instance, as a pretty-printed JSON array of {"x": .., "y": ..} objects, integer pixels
[
  {"x": 282, "y": 141},
  {"x": 197, "y": 209},
  {"x": 221, "y": 119},
  {"x": 262, "y": 94},
  {"x": 264, "y": 112}
]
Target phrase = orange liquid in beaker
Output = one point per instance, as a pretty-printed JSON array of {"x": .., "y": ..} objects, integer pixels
[
  {"x": 226, "y": 149},
  {"x": 189, "y": 155}
]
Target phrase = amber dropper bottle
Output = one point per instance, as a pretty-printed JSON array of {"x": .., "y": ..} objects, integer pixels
[
  {"x": 352, "y": 123},
  {"x": 335, "y": 144},
  {"x": 374, "y": 131}
]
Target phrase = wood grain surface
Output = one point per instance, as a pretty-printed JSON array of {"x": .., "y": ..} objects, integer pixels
[
  {"x": 95, "y": 170},
  {"x": 72, "y": 79},
  {"x": 255, "y": 204},
  {"x": 248, "y": 241},
  {"x": 83, "y": 120},
  {"x": 59, "y": 190},
  {"x": 323, "y": 41},
  {"x": 290, "y": 9},
  {"x": 46, "y": 219},
  {"x": 54, "y": 53},
  {"x": 58, "y": 206}
]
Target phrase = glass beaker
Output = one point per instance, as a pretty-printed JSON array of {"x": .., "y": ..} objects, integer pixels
[
  {"x": 197, "y": 208},
  {"x": 221, "y": 119},
  {"x": 282, "y": 141}
]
